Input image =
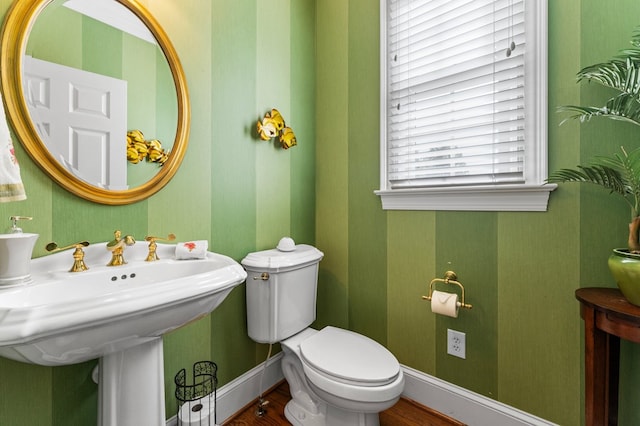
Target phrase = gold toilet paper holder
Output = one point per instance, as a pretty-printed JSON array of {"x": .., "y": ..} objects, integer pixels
[{"x": 450, "y": 277}]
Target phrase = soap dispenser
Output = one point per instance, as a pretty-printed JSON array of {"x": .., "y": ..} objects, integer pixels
[{"x": 16, "y": 249}]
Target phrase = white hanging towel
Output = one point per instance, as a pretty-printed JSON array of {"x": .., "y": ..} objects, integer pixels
[{"x": 11, "y": 187}]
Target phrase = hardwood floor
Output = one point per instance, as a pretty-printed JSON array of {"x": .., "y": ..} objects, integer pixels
[{"x": 404, "y": 413}]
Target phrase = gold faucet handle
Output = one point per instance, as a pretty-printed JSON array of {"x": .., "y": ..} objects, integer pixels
[
  {"x": 78, "y": 254},
  {"x": 169, "y": 237},
  {"x": 152, "y": 256},
  {"x": 53, "y": 247}
]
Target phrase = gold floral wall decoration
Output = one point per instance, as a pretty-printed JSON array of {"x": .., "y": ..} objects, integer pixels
[
  {"x": 273, "y": 125},
  {"x": 139, "y": 149}
]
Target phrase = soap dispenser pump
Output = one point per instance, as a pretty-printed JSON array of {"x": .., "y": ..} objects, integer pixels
[{"x": 16, "y": 249}]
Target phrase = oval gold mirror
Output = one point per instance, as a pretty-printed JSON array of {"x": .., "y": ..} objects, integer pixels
[{"x": 80, "y": 149}]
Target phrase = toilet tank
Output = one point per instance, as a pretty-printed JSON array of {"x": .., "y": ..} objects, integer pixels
[{"x": 281, "y": 291}]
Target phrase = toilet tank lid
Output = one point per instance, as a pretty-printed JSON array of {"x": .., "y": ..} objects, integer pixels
[{"x": 276, "y": 260}]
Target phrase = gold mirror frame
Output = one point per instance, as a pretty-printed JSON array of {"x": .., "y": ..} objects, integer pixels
[{"x": 15, "y": 31}]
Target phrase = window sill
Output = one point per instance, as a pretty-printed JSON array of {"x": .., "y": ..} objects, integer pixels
[{"x": 533, "y": 198}]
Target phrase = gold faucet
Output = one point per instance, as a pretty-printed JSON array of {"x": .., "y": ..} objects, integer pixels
[
  {"x": 153, "y": 246},
  {"x": 78, "y": 254},
  {"x": 117, "y": 246}
]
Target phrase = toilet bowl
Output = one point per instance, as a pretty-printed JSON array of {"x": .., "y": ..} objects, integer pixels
[{"x": 336, "y": 377}]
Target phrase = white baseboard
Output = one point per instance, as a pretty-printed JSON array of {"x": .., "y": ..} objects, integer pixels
[
  {"x": 454, "y": 401},
  {"x": 462, "y": 404}
]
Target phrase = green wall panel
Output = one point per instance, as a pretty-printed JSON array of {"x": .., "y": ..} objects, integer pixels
[
  {"x": 332, "y": 160},
  {"x": 26, "y": 394},
  {"x": 57, "y": 37},
  {"x": 535, "y": 291},
  {"x": 302, "y": 120},
  {"x": 99, "y": 41},
  {"x": 467, "y": 245},
  {"x": 411, "y": 245},
  {"x": 234, "y": 175},
  {"x": 76, "y": 395},
  {"x": 273, "y": 90},
  {"x": 367, "y": 250}
]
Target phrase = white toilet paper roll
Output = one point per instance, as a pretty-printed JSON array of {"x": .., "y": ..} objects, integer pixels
[
  {"x": 444, "y": 303},
  {"x": 198, "y": 412}
]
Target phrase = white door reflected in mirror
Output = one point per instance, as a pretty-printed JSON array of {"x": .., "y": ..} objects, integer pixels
[{"x": 81, "y": 117}]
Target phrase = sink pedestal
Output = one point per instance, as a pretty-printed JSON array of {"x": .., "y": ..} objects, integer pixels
[{"x": 131, "y": 386}]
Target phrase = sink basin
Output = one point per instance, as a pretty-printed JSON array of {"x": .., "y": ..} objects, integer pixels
[
  {"x": 116, "y": 313},
  {"x": 69, "y": 317}
]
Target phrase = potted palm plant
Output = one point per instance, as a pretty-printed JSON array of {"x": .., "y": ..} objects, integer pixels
[{"x": 619, "y": 173}]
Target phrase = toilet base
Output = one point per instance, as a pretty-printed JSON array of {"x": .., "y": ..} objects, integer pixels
[{"x": 299, "y": 416}]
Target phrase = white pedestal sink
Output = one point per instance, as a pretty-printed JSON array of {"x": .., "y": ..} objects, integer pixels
[{"x": 118, "y": 314}]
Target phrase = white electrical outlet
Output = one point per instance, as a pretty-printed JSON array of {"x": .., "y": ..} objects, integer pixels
[{"x": 456, "y": 343}]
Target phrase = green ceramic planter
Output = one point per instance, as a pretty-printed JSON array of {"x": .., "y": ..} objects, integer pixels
[{"x": 625, "y": 268}]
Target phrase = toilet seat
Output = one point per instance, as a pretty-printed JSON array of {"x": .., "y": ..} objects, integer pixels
[{"x": 349, "y": 358}]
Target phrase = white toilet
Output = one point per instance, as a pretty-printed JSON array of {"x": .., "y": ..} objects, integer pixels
[{"x": 336, "y": 377}]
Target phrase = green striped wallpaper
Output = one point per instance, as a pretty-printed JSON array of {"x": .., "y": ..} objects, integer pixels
[{"x": 317, "y": 61}]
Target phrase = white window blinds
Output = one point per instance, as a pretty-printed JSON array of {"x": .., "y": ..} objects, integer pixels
[{"x": 455, "y": 92}]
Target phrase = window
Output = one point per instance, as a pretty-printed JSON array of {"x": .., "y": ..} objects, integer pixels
[{"x": 464, "y": 105}]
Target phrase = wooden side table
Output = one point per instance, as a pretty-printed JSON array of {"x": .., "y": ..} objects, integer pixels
[{"x": 608, "y": 317}]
